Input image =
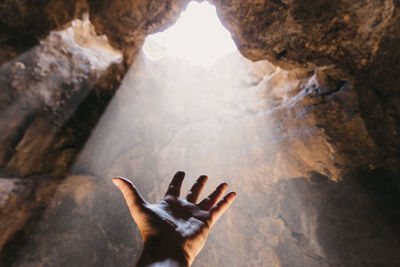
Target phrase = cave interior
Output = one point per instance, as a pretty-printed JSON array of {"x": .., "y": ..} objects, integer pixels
[{"x": 302, "y": 119}]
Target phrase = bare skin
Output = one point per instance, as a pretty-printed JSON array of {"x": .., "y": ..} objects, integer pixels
[{"x": 175, "y": 230}]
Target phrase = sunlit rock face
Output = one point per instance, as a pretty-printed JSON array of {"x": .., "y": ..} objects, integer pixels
[
  {"x": 300, "y": 33},
  {"x": 41, "y": 91},
  {"x": 355, "y": 39},
  {"x": 42, "y": 122},
  {"x": 127, "y": 23},
  {"x": 265, "y": 131}
]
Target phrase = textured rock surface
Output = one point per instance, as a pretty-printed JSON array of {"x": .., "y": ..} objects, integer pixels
[
  {"x": 299, "y": 33},
  {"x": 41, "y": 91},
  {"x": 24, "y": 23},
  {"x": 51, "y": 98},
  {"x": 126, "y": 23},
  {"x": 355, "y": 38},
  {"x": 20, "y": 202}
]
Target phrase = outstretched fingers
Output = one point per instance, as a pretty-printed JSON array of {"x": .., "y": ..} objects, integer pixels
[
  {"x": 221, "y": 207},
  {"x": 131, "y": 195},
  {"x": 196, "y": 189},
  {"x": 212, "y": 199},
  {"x": 174, "y": 188}
]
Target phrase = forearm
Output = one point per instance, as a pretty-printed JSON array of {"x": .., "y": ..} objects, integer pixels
[{"x": 160, "y": 253}]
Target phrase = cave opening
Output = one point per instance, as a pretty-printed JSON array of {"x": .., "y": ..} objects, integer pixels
[{"x": 197, "y": 36}]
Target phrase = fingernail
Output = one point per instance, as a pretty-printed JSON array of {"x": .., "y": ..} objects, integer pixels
[
  {"x": 115, "y": 181},
  {"x": 223, "y": 185},
  {"x": 202, "y": 178}
]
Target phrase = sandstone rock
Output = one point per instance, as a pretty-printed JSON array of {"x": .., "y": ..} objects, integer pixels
[
  {"x": 24, "y": 23},
  {"x": 42, "y": 90},
  {"x": 313, "y": 33},
  {"x": 42, "y": 95},
  {"x": 127, "y": 23},
  {"x": 356, "y": 38}
]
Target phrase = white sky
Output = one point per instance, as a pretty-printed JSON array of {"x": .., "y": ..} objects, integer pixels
[{"x": 197, "y": 36}]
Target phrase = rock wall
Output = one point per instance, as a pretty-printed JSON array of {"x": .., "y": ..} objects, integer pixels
[
  {"x": 126, "y": 23},
  {"x": 42, "y": 89},
  {"x": 51, "y": 98},
  {"x": 311, "y": 33},
  {"x": 24, "y": 23},
  {"x": 354, "y": 39}
]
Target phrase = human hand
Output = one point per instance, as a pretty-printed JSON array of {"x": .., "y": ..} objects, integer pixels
[{"x": 175, "y": 230}]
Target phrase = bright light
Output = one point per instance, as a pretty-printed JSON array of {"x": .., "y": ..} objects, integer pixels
[{"x": 198, "y": 36}]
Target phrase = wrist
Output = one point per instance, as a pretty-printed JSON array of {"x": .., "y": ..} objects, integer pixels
[{"x": 158, "y": 249}]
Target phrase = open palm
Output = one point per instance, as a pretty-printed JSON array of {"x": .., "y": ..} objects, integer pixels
[{"x": 180, "y": 224}]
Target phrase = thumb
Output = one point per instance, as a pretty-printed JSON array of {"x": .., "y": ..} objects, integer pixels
[{"x": 131, "y": 195}]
